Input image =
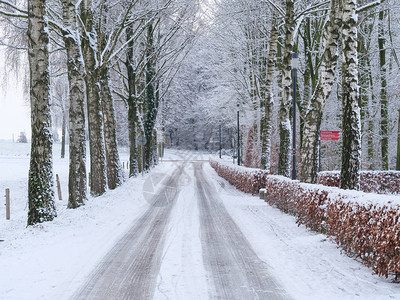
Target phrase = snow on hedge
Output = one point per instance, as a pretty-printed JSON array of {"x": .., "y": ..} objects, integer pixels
[{"x": 381, "y": 182}]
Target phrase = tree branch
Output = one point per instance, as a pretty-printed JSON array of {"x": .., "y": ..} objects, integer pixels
[{"x": 369, "y": 5}]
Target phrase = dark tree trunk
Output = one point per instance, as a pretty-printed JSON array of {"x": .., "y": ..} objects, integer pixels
[
  {"x": 383, "y": 93},
  {"x": 150, "y": 101},
  {"x": 63, "y": 133},
  {"x": 132, "y": 106}
]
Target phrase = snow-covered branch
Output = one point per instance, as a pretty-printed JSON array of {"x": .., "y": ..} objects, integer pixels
[{"x": 369, "y": 5}]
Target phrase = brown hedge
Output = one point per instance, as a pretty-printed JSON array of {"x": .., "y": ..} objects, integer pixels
[
  {"x": 363, "y": 227},
  {"x": 247, "y": 180},
  {"x": 380, "y": 182},
  {"x": 366, "y": 226}
]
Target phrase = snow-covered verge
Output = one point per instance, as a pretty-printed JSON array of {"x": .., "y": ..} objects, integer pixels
[
  {"x": 364, "y": 224},
  {"x": 248, "y": 180},
  {"x": 51, "y": 260},
  {"x": 380, "y": 182}
]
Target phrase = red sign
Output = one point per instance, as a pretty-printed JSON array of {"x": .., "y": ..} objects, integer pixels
[{"x": 327, "y": 135}]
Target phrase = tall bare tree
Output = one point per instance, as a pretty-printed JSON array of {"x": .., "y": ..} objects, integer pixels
[
  {"x": 269, "y": 100},
  {"x": 351, "y": 152},
  {"x": 313, "y": 115},
  {"x": 77, "y": 133},
  {"x": 40, "y": 186},
  {"x": 284, "y": 121}
]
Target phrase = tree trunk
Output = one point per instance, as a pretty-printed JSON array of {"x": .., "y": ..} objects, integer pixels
[
  {"x": 114, "y": 169},
  {"x": 383, "y": 93},
  {"x": 63, "y": 133},
  {"x": 150, "y": 101},
  {"x": 284, "y": 121},
  {"x": 98, "y": 181},
  {"x": 132, "y": 106},
  {"x": 40, "y": 186},
  {"x": 313, "y": 117},
  {"x": 351, "y": 153},
  {"x": 77, "y": 132},
  {"x": 269, "y": 101}
]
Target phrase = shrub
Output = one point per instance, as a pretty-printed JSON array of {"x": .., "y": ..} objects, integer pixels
[
  {"x": 380, "y": 182},
  {"x": 247, "y": 180},
  {"x": 364, "y": 225}
]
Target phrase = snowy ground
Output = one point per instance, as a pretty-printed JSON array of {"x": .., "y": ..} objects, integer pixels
[{"x": 52, "y": 260}]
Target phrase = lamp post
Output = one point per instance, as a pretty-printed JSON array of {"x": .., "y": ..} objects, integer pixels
[
  {"x": 220, "y": 139},
  {"x": 295, "y": 65},
  {"x": 238, "y": 136}
]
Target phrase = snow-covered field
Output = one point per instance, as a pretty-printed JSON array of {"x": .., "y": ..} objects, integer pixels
[{"x": 51, "y": 260}]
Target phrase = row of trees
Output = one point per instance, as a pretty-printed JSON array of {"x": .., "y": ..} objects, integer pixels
[
  {"x": 107, "y": 50},
  {"x": 348, "y": 71}
]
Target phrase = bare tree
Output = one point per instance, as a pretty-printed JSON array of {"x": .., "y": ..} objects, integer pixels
[
  {"x": 351, "y": 153},
  {"x": 40, "y": 186}
]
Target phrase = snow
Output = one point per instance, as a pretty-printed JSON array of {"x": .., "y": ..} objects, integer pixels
[{"x": 51, "y": 260}]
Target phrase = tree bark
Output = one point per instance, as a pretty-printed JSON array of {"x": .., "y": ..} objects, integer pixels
[
  {"x": 284, "y": 121},
  {"x": 41, "y": 180},
  {"x": 269, "y": 101},
  {"x": 351, "y": 152},
  {"x": 77, "y": 138},
  {"x": 63, "y": 133},
  {"x": 383, "y": 93},
  {"x": 313, "y": 116},
  {"x": 132, "y": 106},
  {"x": 98, "y": 181},
  {"x": 114, "y": 170},
  {"x": 150, "y": 101}
]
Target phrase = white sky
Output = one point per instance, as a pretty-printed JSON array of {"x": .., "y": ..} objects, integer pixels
[{"x": 14, "y": 113}]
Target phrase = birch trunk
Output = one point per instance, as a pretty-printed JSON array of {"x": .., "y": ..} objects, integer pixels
[
  {"x": 132, "y": 105},
  {"x": 98, "y": 181},
  {"x": 351, "y": 153},
  {"x": 284, "y": 122},
  {"x": 77, "y": 137},
  {"x": 40, "y": 185},
  {"x": 269, "y": 101},
  {"x": 114, "y": 170},
  {"x": 313, "y": 117}
]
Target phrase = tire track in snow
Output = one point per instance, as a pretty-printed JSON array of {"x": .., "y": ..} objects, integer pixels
[
  {"x": 130, "y": 269},
  {"x": 236, "y": 271}
]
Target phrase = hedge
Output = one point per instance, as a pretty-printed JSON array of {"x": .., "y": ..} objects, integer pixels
[
  {"x": 380, "y": 182},
  {"x": 247, "y": 180},
  {"x": 364, "y": 225}
]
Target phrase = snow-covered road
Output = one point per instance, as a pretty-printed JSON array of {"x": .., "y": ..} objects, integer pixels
[
  {"x": 233, "y": 270},
  {"x": 180, "y": 232}
]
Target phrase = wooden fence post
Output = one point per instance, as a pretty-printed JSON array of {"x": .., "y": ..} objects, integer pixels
[
  {"x": 7, "y": 204},
  {"x": 58, "y": 187}
]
